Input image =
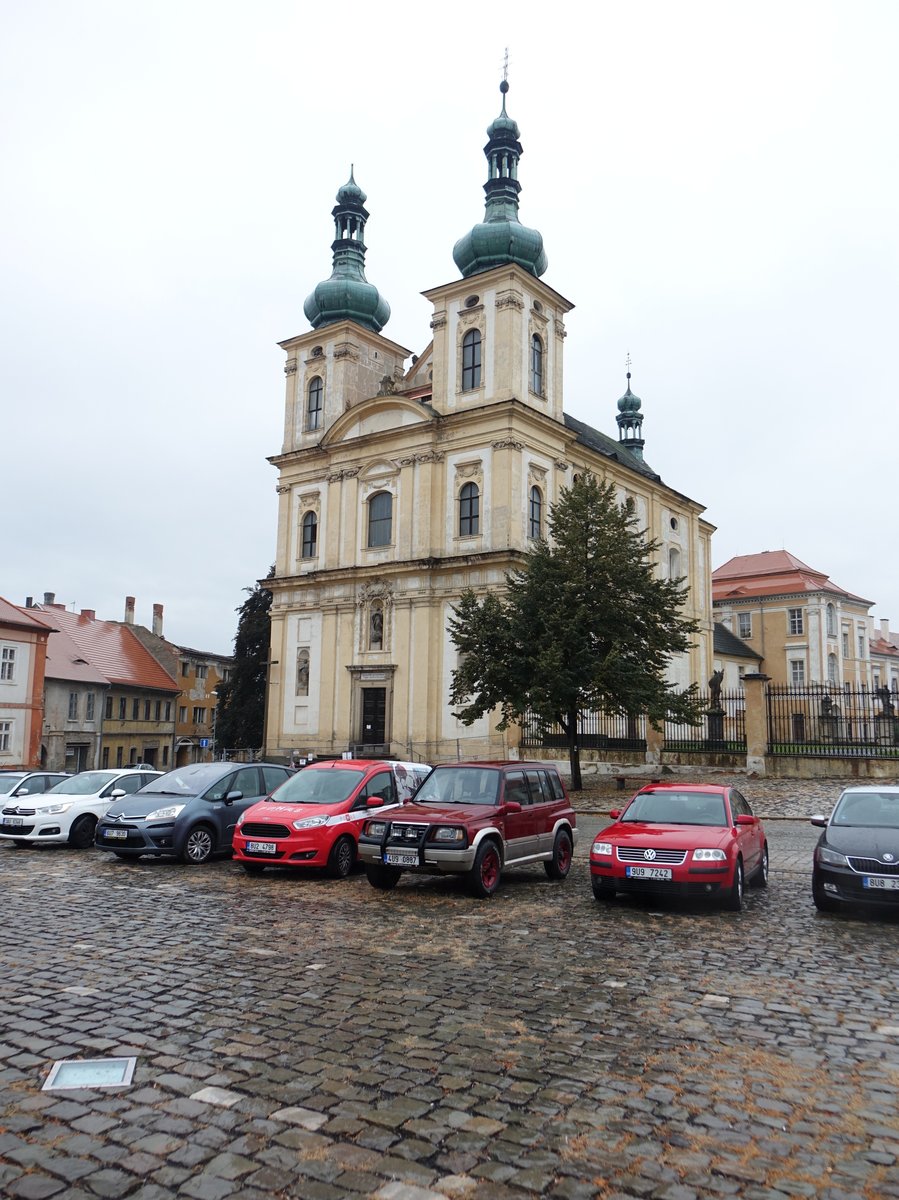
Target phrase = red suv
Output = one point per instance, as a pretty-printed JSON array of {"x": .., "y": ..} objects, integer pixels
[{"x": 474, "y": 819}]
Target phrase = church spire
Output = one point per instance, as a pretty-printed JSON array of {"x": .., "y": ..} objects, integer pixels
[
  {"x": 630, "y": 419},
  {"x": 501, "y": 238},
  {"x": 347, "y": 295}
]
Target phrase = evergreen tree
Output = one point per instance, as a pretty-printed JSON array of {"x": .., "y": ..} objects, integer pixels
[
  {"x": 240, "y": 722},
  {"x": 585, "y": 624}
]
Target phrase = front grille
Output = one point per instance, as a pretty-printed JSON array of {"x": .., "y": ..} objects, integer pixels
[
  {"x": 19, "y": 812},
  {"x": 873, "y": 866},
  {"x": 17, "y": 830},
  {"x": 637, "y": 854},
  {"x": 264, "y": 832},
  {"x": 401, "y": 834}
]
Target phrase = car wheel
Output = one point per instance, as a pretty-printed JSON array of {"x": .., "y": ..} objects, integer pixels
[
  {"x": 734, "y": 899},
  {"x": 341, "y": 858},
  {"x": 199, "y": 845},
  {"x": 484, "y": 875},
  {"x": 823, "y": 902},
  {"x": 560, "y": 863},
  {"x": 81, "y": 835},
  {"x": 760, "y": 878},
  {"x": 602, "y": 890},
  {"x": 253, "y": 868},
  {"x": 129, "y": 858},
  {"x": 383, "y": 878}
]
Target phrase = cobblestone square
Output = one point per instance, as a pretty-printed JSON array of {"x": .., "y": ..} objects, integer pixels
[{"x": 301, "y": 1037}]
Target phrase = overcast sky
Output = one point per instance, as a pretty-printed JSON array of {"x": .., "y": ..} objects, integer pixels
[{"x": 717, "y": 185}]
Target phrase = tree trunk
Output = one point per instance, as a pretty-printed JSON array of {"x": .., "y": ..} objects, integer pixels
[{"x": 574, "y": 753}]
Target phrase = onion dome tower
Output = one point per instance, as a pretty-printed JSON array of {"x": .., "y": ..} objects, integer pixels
[
  {"x": 630, "y": 421},
  {"x": 501, "y": 238},
  {"x": 347, "y": 295}
]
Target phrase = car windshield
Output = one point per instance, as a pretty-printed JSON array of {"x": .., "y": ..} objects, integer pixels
[
  {"x": 676, "y": 808},
  {"x": 318, "y": 786},
  {"x": 84, "y": 784},
  {"x": 460, "y": 785},
  {"x": 190, "y": 780},
  {"x": 8, "y": 782},
  {"x": 879, "y": 809}
]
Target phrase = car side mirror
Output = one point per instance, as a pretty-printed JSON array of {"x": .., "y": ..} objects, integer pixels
[
  {"x": 232, "y": 796},
  {"x": 21, "y": 792},
  {"x": 117, "y": 793},
  {"x": 375, "y": 801},
  {"x": 615, "y": 814},
  {"x": 818, "y": 819},
  {"x": 745, "y": 819},
  {"x": 512, "y": 806}
]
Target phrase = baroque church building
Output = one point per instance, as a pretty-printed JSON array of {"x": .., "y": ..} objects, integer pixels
[{"x": 403, "y": 483}]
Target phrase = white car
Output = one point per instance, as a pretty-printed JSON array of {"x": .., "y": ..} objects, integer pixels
[{"x": 69, "y": 811}]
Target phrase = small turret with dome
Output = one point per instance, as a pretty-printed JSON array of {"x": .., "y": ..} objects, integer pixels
[
  {"x": 347, "y": 295},
  {"x": 501, "y": 238},
  {"x": 630, "y": 419}
]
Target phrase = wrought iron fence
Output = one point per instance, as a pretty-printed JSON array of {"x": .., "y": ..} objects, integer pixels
[
  {"x": 596, "y": 731},
  {"x": 824, "y": 721},
  {"x": 723, "y": 727}
]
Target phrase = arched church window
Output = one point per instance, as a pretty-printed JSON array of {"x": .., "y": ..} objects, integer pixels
[
  {"x": 469, "y": 510},
  {"x": 831, "y": 621},
  {"x": 471, "y": 360},
  {"x": 314, "y": 401},
  {"x": 537, "y": 365},
  {"x": 832, "y": 668},
  {"x": 310, "y": 535},
  {"x": 674, "y": 569},
  {"x": 380, "y": 519},
  {"x": 535, "y": 513}
]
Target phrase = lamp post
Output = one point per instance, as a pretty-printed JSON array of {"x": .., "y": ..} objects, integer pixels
[{"x": 215, "y": 713}]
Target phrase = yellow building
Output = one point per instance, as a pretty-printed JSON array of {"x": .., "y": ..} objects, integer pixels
[{"x": 401, "y": 486}]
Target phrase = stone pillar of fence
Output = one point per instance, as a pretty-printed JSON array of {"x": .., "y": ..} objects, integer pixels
[
  {"x": 756, "y": 720},
  {"x": 655, "y": 743}
]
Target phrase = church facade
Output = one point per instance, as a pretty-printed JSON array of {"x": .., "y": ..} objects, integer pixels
[{"x": 404, "y": 479}]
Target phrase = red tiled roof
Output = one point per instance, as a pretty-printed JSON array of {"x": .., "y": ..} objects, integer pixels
[
  {"x": 771, "y": 573},
  {"x": 21, "y": 618},
  {"x": 112, "y": 649},
  {"x": 66, "y": 661}
]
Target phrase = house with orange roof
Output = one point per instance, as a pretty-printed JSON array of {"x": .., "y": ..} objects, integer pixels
[
  {"x": 884, "y": 656},
  {"x": 805, "y": 628},
  {"x": 74, "y": 694},
  {"x": 23, "y": 656},
  {"x": 138, "y": 720}
]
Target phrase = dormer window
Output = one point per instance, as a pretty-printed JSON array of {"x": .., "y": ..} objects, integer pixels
[
  {"x": 314, "y": 403},
  {"x": 471, "y": 360},
  {"x": 537, "y": 365}
]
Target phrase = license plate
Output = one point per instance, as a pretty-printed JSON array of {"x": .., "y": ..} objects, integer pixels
[
  {"x": 880, "y": 884},
  {"x": 17, "y": 821},
  {"x": 648, "y": 872},
  {"x": 400, "y": 860},
  {"x": 115, "y": 833},
  {"x": 262, "y": 848}
]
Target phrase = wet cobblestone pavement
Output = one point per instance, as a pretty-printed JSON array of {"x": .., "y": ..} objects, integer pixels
[{"x": 305, "y": 1038}]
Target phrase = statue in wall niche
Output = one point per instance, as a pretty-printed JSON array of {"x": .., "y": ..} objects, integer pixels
[
  {"x": 715, "y": 689},
  {"x": 302, "y": 673},
  {"x": 376, "y": 629},
  {"x": 388, "y": 386}
]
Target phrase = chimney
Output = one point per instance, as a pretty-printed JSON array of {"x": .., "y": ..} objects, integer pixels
[
  {"x": 89, "y": 613},
  {"x": 157, "y": 620},
  {"x": 49, "y": 597},
  {"x": 885, "y": 628},
  {"x": 129, "y": 610},
  {"x": 29, "y": 601}
]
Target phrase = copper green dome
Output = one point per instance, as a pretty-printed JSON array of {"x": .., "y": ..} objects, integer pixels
[
  {"x": 630, "y": 421},
  {"x": 501, "y": 238},
  {"x": 629, "y": 403},
  {"x": 347, "y": 295}
]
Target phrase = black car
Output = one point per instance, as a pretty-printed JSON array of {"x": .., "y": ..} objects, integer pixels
[
  {"x": 190, "y": 812},
  {"x": 857, "y": 855}
]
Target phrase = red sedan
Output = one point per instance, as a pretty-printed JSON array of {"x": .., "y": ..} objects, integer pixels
[{"x": 681, "y": 839}]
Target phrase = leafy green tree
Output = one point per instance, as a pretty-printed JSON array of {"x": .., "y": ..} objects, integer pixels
[
  {"x": 241, "y": 701},
  {"x": 585, "y": 624}
]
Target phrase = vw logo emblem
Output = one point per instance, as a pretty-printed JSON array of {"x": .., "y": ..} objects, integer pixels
[
  {"x": 888, "y": 858},
  {"x": 650, "y": 854}
]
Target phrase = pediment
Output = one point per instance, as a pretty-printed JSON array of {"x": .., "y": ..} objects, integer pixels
[{"x": 382, "y": 414}]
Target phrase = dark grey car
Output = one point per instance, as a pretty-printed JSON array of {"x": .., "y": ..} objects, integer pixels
[{"x": 190, "y": 812}]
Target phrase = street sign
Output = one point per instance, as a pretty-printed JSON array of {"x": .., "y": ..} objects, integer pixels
[{"x": 204, "y": 743}]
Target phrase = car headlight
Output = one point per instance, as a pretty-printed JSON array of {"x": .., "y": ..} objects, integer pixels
[
  {"x": 448, "y": 833},
  {"x": 709, "y": 856},
  {"x": 603, "y": 848},
  {"x": 309, "y": 822},
  {"x": 376, "y": 829},
  {"x": 164, "y": 814},
  {"x": 831, "y": 857},
  {"x": 55, "y": 808}
]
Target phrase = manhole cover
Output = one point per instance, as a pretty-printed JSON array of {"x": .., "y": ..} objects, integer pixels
[{"x": 89, "y": 1073}]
